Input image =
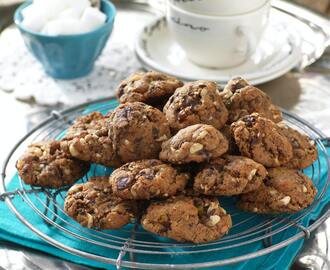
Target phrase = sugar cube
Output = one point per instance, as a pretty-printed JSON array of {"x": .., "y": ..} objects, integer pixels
[
  {"x": 69, "y": 13},
  {"x": 30, "y": 10},
  {"x": 63, "y": 27},
  {"x": 62, "y": 17},
  {"x": 51, "y": 8},
  {"x": 34, "y": 23},
  {"x": 79, "y": 5},
  {"x": 44, "y": 30},
  {"x": 92, "y": 18}
]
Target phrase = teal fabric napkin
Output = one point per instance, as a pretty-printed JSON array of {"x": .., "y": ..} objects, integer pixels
[{"x": 11, "y": 229}]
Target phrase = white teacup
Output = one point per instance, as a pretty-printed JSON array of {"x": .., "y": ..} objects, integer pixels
[
  {"x": 217, "y": 41},
  {"x": 219, "y": 7}
]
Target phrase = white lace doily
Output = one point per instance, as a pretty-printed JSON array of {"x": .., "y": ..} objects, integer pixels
[{"x": 21, "y": 73}]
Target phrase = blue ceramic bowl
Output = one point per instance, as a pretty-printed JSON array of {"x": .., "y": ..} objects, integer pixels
[{"x": 71, "y": 56}]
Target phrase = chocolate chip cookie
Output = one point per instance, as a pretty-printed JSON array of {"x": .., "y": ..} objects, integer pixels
[
  {"x": 146, "y": 179},
  {"x": 187, "y": 219},
  {"x": 88, "y": 139},
  {"x": 197, "y": 143},
  {"x": 304, "y": 149},
  {"x": 93, "y": 205},
  {"x": 261, "y": 139},
  {"x": 283, "y": 191},
  {"x": 137, "y": 131},
  {"x": 232, "y": 86},
  {"x": 230, "y": 175},
  {"x": 153, "y": 88},
  {"x": 45, "y": 164},
  {"x": 243, "y": 99},
  {"x": 196, "y": 103}
]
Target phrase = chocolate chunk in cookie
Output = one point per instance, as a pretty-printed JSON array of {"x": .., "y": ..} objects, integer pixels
[
  {"x": 261, "y": 139},
  {"x": 243, "y": 99},
  {"x": 304, "y": 149},
  {"x": 187, "y": 219},
  {"x": 137, "y": 131},
  {"x": 230, "y": 175},
  {"x": 283, "y": 191},
  {"x": 196, "y": 103},
  {"x": 197, "y": 143},
  {"x": 146, "y": 179},
  {"x": 45, "y": 164},
  {"x": 88, "y": 139},
  {"x": 153, "y": 88},
  {"x": 93, "y": 205}
]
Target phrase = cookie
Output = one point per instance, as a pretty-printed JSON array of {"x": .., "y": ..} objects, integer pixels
[
  {"x": 88, "y": 139},
  {"x": 137, "y": 131},
  {"x": 45, "y": 164},
  {"x": 304, "y": 149},
  {"x": 153, "y": 88},
  {"x": 261, "y": 139},
  {"x": 197, "y": 143},
  {"x": 93, "y": 205},
  {"x": 283, "y": 191},
  {"x": 187, "y": 219},
  {"x": 232, "y": 86},
  {"x": 243, "y": 99},
  {"x": 196, "y": 103},
  {"x": 146, "y": 179},
  {"x": 230, "y": 175}
]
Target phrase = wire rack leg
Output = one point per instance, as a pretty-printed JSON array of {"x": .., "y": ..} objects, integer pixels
[
  {"x": 49, "y": 197},
  {"x": 121, "y": 255},
  {"x": 55, "y": 204},
  {"x": 131, "y": 254},
  {"x": 52, "y": 196},
  {"x": 55, "y": 208},
  {"x": 123, "y": 250},
  {"x": 47, "y": 206},
  {"x": 306, "y": 231},
  {"x": 59, "y": 116},
  {"x": 268, "y": 241}
]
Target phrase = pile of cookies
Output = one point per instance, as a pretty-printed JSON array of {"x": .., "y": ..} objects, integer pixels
[{"x": 176, "y": 148}]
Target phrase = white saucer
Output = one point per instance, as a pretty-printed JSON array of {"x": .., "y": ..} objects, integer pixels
[{"x": 278, "y": 52}]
